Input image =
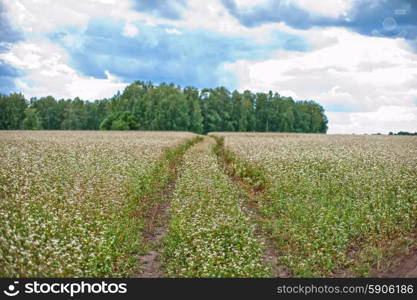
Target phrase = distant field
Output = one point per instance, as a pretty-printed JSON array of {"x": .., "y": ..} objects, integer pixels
[
  {"x": 67, "y": 199},
  {"x": 159, "y": 204},
  {"x": 334, "y": 204}
]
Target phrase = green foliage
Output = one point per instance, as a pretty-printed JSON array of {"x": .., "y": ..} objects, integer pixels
[
  {"x": 119, "y": 125},
  {"x": 146, "y": 106},
  {"x": 32, "y": 120},
  {"x": 122, "y": 120},
  {"x": 12, "y": 111},
  {"x": 50, "y": 112},
  {"x": 250, "y": 174},
  {"x": 403, "y": 133}
]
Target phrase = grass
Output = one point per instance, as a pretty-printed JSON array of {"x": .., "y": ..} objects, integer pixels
[{"x": 331, "y": 202}]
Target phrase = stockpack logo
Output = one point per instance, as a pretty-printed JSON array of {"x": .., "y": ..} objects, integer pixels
[{"x": 12, "y": 290}]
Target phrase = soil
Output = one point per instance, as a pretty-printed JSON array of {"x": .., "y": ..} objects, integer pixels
[
  {"x": 151, "y": 265},
  {"x": 405, "y": 267},
  {"x": 271, "y": 253}
]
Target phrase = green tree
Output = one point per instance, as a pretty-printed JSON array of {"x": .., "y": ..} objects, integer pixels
[
  {"x": 32, "y": 120},
  {"x": 49, "y": 111},
  {"x": 122, "y": 120},
  {"x": 12, "y": 111},
  {"x": 167, "y": 107}
]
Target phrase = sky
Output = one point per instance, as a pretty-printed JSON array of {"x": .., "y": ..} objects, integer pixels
[{"x": 357, "y": 58}]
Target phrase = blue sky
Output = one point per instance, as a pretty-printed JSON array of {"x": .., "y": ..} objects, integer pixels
[{"x": 357, "y": 58}]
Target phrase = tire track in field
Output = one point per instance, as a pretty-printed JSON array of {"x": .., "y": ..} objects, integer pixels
[
  {"x": 403, "y": 264},
  {"x": 253, "y": 194},
  {"x": 157, "y": 219},
  {"x": 406, "y": 268},
  {"x": 210, "y": 234}
]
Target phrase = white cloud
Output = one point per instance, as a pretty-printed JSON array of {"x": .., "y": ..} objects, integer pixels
[
  {"x": 31, "y": 16},
  {"x": 328, "y": 8},
  {"x": 210, "y": 15},
  {"x": 48, "y": 73},
  {"x": 249, "y": 3},
  {"x": 173, "y": 31},
  {"x": 41, "y": 16},
  {"x": 130, "y": 30},
  {"x": 288, "y": 93},
  {"x": 346, "y": 70},
  {"x": 213, "y": 16},
  {"x": 383, "y": 120}
]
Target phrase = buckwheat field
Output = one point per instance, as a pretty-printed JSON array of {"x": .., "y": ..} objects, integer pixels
[
  {"x": 69, "y": 200},
  {"x": 335, "y": 205},
  {"x": 175, "y": 204}
]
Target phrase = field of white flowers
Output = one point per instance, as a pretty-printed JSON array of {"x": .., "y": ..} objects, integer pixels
[
  {"x": 332, "y": 202},
  {"x": 78, "y": 204},
  {"x": 210, "y": 234},
  {"x": 69, "y": 201}
]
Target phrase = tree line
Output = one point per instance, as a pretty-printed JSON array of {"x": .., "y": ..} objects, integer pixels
[
  {"x": 144, "y": 106},
  {"x": 403, "y": 133}
]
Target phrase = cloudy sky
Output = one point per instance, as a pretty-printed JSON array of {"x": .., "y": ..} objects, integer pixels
[{"x": 357, "y": 58}]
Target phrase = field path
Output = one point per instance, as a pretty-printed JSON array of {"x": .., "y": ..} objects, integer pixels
[
  {"x": 158, "y": 219},
  {"x": 407, "y": 268},
  {"x": 210, "y": 233},
  {"x": 252, "y": 194},
  {"x": 205, "y": 223},
  {"x": 154, "y": 234},
  {"x": 404, "y": 266}
]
